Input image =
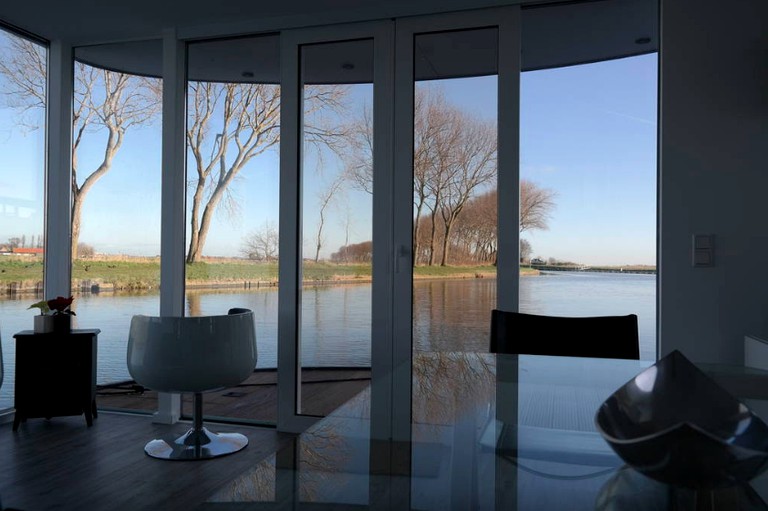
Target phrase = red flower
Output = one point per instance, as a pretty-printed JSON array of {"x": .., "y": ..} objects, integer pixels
[{"x": 60, "y": 305}]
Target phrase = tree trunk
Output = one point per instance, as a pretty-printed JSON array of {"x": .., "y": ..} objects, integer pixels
[
  {"x": 416, "y": 229},
  {"x": 205, "y": 226},
  {"x": 77, "y": 212},
  {"x": 319, "y": 239},
  {"x": 194, "y": 252},
  {"x": 446, "y": 238},
  {"x": 433, "y": 234}
]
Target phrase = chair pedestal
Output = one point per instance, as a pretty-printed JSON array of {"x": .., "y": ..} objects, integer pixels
[{"x": 197, "y": 443}]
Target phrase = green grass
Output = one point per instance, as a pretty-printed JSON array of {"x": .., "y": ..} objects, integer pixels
[
  {"x": 122, "y": 274},
  {"x": 144, "y": 273},
  {"x": 452, "y": 271},
  {"x": 20, "y": 269}
]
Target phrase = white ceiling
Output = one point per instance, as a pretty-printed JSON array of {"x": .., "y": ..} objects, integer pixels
[{"x": 552, "y": 35}]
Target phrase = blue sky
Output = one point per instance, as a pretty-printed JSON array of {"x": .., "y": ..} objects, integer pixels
[{"x": 588, "y": 133}]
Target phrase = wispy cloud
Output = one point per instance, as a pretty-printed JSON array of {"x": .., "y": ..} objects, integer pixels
[{"x": 631, "y": 117}]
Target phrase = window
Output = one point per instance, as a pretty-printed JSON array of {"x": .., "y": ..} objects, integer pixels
[
  {"x": 588, "y": 191},
  {"x": 233, "y": 135},
  {"x": 116, "y": 203},
  {"x": 23, "y": 79}
]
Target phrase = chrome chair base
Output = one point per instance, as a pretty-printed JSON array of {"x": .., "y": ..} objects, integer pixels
[{"x": 196, "y": 444}]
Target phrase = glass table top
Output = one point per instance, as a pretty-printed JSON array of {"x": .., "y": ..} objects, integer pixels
[{"x": 488, "y": 432}]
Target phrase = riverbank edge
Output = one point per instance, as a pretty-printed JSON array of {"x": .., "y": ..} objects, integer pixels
[
  {"x": 421, "y": 273},
  {"x": 93, "y": 286}
]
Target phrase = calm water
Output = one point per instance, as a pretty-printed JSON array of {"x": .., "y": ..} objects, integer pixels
[{"x": 448, "y": 315}]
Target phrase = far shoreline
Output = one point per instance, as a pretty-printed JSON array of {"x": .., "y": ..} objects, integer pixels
[{"x": 122, "y": 274}]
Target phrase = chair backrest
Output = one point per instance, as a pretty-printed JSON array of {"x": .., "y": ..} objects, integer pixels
[
  {"x": 192, "y": 354},
  {"x": 594, "y": 336}
]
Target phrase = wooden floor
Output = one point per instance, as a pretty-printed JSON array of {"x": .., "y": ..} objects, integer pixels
[
  {"x": 255, "y": 399},
  {"x": 62, "y": 464}
]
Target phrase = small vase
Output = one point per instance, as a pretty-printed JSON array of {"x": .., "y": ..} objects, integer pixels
[
  {"x": 62, "y": 323},
  {"x": 44, "y": 324}
]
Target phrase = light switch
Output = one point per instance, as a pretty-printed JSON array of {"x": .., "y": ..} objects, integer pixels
[{"x": 703, "y": 250}]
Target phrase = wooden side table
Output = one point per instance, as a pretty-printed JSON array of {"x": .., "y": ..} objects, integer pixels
[{"x": 55, "y": 375}]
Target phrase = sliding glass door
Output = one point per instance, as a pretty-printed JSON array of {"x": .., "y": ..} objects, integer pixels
[
  {"x": 457, "y": 138},
  {"x": 335, "y": 154}
]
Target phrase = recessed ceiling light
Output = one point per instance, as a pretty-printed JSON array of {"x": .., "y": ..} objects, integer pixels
[
  {"x": 247, "y": 74},
  {"x": 348, "y": 66},
  {"x": 642, "y": 40}
]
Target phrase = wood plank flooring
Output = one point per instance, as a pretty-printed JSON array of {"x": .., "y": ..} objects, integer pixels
[{"x": 62, "y": 464}]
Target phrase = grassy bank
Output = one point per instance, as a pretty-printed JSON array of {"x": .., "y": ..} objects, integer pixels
[{"x": 24, "y": 274}]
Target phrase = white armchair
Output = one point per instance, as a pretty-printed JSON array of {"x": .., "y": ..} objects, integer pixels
[{"x": 193, "y": 354}]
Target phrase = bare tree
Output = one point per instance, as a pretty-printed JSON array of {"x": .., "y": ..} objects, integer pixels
[
  {"x": 229, "y": 125},
  {"x": 262, "y": 245},
  {"x": 354, "y": 253},
  {"x": 359, "y": 157},
  {"x": 430, "y": 121},
  {"x": 104, "y": 102},
  {"x": 324, "y": 199},
  {"x": 23, "y": 64},
  {"x": 109, "y": 101},
  {"x": 474, "y": 237},
  {"x": 536, "y": 205},
  {"x": 525, "y": 250},
  {"x": 85, "y": 250},
  {"x": 472, "y": 165}
]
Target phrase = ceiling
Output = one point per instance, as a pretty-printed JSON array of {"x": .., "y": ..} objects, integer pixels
[{"x": 553, "y": 35}]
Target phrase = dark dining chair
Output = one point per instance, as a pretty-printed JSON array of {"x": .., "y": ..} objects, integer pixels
[{"x": 591, "y": 336}]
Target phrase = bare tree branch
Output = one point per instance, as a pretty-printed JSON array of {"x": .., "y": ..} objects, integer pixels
[
  {"x": 103, "y": 101},
  {"x": 247, "y": 117}
]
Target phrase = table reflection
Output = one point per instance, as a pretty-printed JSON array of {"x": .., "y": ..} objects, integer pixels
[{"x": 488, "y": 432}]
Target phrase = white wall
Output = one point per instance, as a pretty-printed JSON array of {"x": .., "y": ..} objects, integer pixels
[{"x": 714, "y": 175}]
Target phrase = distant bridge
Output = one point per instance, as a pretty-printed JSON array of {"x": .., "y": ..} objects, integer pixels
[{"x": 543, "y": 267}]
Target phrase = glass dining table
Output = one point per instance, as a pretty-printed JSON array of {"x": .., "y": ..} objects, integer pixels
[{"x": 488, "y": 432}]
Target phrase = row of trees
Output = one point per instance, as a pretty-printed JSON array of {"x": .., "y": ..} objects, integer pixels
[
  {"x": 454, "y": 172},
  {"x": 473, "y": 238},
  {"x": 35, "y": 241},
  {"x": 230, "y": 124}
]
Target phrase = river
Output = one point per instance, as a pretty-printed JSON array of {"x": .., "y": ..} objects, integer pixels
[{"x": 448, "y": 315}]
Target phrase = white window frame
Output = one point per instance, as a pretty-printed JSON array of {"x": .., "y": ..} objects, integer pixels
[{"x": 289, "y": 417}]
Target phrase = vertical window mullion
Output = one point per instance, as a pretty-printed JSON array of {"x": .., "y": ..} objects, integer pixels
[{"x": 59, "y": 169}]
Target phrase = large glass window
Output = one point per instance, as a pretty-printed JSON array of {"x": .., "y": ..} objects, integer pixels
[
  {"x": 23, "y": 70},
  {"x": 116, "y": 182},
  {"x": 336, "y": 219},
  {"x": 454, "y": 189},
  {"x": 233, "y": 136},
  {"x": 588, "y": 191}
]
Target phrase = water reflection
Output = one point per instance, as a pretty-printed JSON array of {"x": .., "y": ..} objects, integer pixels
[{"x": 448, "y": 315}]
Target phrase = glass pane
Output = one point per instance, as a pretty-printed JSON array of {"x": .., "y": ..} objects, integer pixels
[
  {"x": 22, "y": 188},
  {"x": 454, "y": 231},
  {"x": 233, "y": 136},
  {"x": 588, "y": 191},
  {"x": 454, "y": 189},
  {"x": 116, "y": 166},
  {"x": 336, "y": 208}
]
